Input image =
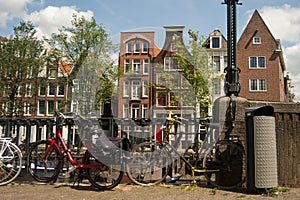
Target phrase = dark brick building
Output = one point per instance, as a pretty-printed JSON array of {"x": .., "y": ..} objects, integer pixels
[{"x": 260, "y": 59}]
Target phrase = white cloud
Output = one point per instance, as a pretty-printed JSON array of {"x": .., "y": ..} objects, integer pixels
[
  {"x": 50, "y": 19},
  {"x": 10, "y": 9},
  {"x": 284, "y": 23}
]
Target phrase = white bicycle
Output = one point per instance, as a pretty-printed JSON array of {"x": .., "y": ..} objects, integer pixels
[{"x": 10, "y": 161}]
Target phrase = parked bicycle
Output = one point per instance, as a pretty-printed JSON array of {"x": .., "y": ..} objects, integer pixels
[
  {"x": 10, "y": 161},
  {"x": 46, "y": 161},
  {"x": 221, "y": 163}
]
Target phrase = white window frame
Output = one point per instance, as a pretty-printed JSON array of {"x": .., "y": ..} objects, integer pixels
[
  {"x": 135, "y": 110},
  {"x": 257, "y": 62},
  {"x": 126, "y": 65},
  {"x": 145, "y": 47},
  {"x": 211, "y": 42},
  {"x": 216, "y": 67},
  {"x": 48, "y": 104},
  {"x": 129, "y": 47},
  {"x": 256, "y": 40},
  {"x": 58, "y": 89},
  {"x": 28, "y": 92},
  {"x": 52, "y": 73},
  {"x": 126, "y": 88},
  {"x": 136, "y": 65},
  {"x": 51, "y": 95},
  {"x": 145, "y": 111},
  {"x": 137, "y": 48},
  {"x": 169, "y": 63},
  {"x": 145, "y": 88},
  {"x": 135, "y": 90},
  {"x": 39, "y": 110},
  {"x": 146, "y": 66},
  {"x": 125, "y": 110},
  {"x": 27, "y": 109},
  {"x": 259, "y": 85},
  {"x": 19, "y": 91}
]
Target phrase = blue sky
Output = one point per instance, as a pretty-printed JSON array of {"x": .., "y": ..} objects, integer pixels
[{"x": 281, "y": 16}]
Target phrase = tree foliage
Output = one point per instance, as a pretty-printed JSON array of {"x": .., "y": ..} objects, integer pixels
[
  {"x": 193, "y": 59},
  {"x": 86, "y": 45},
  {"x": 22, "y": 57}
]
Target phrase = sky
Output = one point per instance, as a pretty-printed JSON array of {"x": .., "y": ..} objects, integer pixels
[{"x": 281, "y": 16}]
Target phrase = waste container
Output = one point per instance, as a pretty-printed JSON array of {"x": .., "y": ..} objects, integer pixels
[{"x": 261, "y": 154}]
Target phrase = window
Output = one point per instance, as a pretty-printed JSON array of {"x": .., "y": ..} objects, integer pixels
[
  {"x": 145, "y": 111},
  {"x": 145, "y": 88},
  {"x": 128, "y": 48},
  {"x": 217, "y": 86},
  {"x": 51, "y": 89},
  {"x": 257, "y": 62},
  {"x": 28, "y": 90},
  {"x": 256, "y": 40},
  {"x": 27, "y": 109},
  {"x": 162, "y": 98},
  {"x": 19, "y": 91},
  {"x": 216, "y": 63},
  {"x": 52, "y": 73},
  {"x": 173, "y": 47},
  {"x": 42, "y": 90},
  {"x": 135, "y": 90},
  {"x": 51, "y": 107},
  {"x": 135, "y": 111},
  {"x": 126, "y": 89},
  {"x": 173, "y": 99},
  {"x": 215, "y": 42},
  {"x": 41, "y": 107},
  {"x": 258, "y": 85},
  {"x": 125, "y": 110},
  {"x": 29, "y": 72},
  {"x": 146, "y": 66},
  {"x": 136, "y": 65},
  {"x": 136, "y": 47},
  {"x": 145, "y": 47},
  {"x": 61, "y": 90},
  {"x": 170, "y": 63},
  {"x": 126, "y": 65}
]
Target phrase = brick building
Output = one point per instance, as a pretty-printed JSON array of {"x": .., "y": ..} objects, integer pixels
[
  {"x": 260, "y": 59},
  {"x": 137, "y": 51}
]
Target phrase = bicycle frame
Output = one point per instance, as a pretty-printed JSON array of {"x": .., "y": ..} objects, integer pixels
[
  {"x": 170, "y": 122},
  {"x": 58, "y": 139}
]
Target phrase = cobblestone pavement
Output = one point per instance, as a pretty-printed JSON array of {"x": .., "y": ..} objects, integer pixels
[{"x": 32, "y": 190}]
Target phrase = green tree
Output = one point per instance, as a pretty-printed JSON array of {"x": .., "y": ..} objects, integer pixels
[
  {"x": 193, "y": 60},
  {"x": 86, "y": 45},
  {"x": 22, "y": 58}
]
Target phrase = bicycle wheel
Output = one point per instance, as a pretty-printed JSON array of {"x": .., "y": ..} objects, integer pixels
[
  {"x": 10, "y": 162},
  {"x": 42, "y": 166},
  {"x": 226, "y": 157},
  {"x": 148, "y": 164},
  {"x": 106, "y": 177}
]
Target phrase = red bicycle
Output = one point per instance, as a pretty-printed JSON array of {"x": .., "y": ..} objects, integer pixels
[{"x": 46, "y": 160}]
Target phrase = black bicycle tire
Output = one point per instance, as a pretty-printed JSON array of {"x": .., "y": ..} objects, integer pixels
[
  {"x": 240, "y": 148},
  {"x": 97, "y": 184},
  {"x": 57, "y": 168},
  {"x": 143, "y": 183},
  {"x": 18, "y": 157}
]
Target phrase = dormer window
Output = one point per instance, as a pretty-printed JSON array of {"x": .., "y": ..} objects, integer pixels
[
  {"x": 215, "y": 42},
  {"x": 256, "y": 40},
  {"x": 136, "y": 47},
  {"x": 145, "y": 47},
  {"x": 128, "y": 48}
]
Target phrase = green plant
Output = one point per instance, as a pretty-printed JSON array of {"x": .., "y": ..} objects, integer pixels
[{"x": 213, "y": 191}]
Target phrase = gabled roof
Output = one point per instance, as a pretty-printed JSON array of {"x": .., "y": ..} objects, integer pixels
[{"x": 253, "y": 22}]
